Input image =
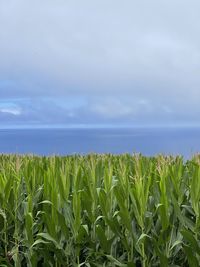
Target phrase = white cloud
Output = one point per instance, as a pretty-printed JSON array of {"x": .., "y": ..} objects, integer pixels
[
  {"x": 112, "y": 109},
  {"x": 119, "y": 108},
  {"x": 9, "y": 107},
  {"x": 13, "y": 111}
]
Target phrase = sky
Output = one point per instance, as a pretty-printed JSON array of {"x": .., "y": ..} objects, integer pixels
[{"x": 74, "y": 63}]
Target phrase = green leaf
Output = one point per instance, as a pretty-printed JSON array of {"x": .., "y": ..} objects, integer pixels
[
  {"x": 39, "y": 241},
  {"x": 115, "y": 261},
  {"x": 176, "y": 243},
  {"x": 189, "y": 237},
  {"x": 142, "y": 238},
  {"x": 46, "y": 202},
  {"x": 2, "y": 220},
  {"x": 192, "y": 260},
  {"x": 50, "y": 239}
]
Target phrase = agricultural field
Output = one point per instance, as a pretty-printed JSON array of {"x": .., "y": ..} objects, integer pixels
[{"x": 99, "y": 210}]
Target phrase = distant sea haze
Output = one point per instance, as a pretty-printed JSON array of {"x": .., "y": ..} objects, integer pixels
[{"x": 148, "y": 141}]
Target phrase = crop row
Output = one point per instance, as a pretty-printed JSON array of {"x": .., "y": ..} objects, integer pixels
[{"x": 99, "y": 210}]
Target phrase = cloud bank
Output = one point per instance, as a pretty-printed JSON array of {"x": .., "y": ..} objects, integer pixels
[{"x": 99, "y": 62}]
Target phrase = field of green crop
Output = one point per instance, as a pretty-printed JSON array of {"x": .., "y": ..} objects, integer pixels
[{"x": 99, "y": 210}]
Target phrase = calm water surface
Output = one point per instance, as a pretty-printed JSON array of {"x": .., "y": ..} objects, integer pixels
[{"x": 185, "y": 141}]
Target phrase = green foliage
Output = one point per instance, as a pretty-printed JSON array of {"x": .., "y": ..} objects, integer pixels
[{"x": 99, "y": 210}]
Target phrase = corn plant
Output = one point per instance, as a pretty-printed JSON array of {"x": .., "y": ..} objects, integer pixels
[{"x": 99, "y": 210}]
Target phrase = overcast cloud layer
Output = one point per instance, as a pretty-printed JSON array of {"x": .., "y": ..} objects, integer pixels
[{"x": 99, "y": 62}]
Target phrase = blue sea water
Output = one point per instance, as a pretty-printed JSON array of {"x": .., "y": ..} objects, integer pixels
[{"x": 148, "y": 141}]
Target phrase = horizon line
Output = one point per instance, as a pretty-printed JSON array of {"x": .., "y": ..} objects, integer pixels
[{"x": 95, "y": 126}]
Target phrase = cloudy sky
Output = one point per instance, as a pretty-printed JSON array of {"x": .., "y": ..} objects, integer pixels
[{"x": 93, "y": 63}]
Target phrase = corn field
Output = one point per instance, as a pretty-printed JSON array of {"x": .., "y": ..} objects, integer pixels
[{"x": 99, "y": 210}]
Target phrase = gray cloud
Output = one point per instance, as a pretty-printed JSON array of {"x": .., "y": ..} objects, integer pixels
[{"x": 131, "y": 62}]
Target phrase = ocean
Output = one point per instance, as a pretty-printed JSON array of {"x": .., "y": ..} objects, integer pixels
[{"x": 148, "y": 141}]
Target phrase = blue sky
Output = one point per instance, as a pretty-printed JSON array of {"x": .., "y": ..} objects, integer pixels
[{"x": 96, "y": 63}]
